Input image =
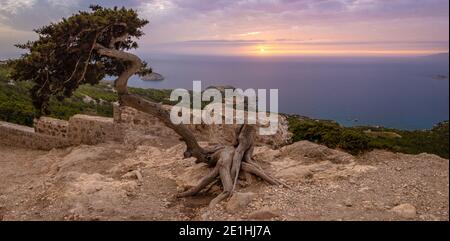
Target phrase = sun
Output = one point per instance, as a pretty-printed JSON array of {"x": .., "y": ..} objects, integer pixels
[{"x": 261, "y": 50}]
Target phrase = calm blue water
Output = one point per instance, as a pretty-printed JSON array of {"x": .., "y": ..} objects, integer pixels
[{"x": 398, "y": 93}]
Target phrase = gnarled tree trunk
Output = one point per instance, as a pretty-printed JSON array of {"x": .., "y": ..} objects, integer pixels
[{"x": 226, "y": 161}]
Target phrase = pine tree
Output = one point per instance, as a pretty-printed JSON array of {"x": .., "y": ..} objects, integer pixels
[{"x": 90, "y": 45}]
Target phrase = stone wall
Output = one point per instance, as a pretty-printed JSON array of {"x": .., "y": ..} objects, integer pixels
[
  {"x": 222, "y": 133},
  {"x": 51, "y": 126},
  {"x": 91, "y": 130},
  {"x": 51, "y": 133},
  {"x": 136, "y": 120},
  {"x": 23, "y": 136}
]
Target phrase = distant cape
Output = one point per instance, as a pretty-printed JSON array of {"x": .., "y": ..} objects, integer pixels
[
  {"x": 153, "y": 77},
  {"x": 442, "y": 57}
]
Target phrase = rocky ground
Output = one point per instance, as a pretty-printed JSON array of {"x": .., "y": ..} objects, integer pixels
[{"x": 139, "y": 180}]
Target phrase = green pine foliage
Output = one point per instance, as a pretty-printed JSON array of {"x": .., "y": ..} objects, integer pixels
[{"x": 65, "y": 56}]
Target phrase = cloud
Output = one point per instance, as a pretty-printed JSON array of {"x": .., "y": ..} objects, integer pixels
[
  {"x": 30, "y": 14},
  {"x": 232, "y": 20},
  {"x": 391, "y": 8},
  {"x": 218, "y": 42},
  {"x": 204, "y": 5},
  {"x": 249, "y": 34},
  {"x": 26, "y": 14},
  {"x": 13, "y": 6}
]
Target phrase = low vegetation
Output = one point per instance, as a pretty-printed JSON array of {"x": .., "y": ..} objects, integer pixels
[
  {"x": 16, "y": 107},
  {"x": 434, "y": 141},
  {"x": 356, "y": 140},
  {"x": 328, "y": 133}
]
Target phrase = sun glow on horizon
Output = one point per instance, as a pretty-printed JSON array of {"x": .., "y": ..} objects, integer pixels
[{"x": 280, "y": 50}]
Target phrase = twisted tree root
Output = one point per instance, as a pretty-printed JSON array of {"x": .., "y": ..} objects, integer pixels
[{"x": 232, "y": 159}]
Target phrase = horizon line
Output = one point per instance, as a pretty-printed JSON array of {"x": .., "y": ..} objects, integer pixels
[{"x": 313, "y": 54}]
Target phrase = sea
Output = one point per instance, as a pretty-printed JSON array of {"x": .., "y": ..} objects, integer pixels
[{"x": 410, "y": 93}]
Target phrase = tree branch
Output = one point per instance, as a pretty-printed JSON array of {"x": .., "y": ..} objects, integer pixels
[
  {"x": 163, "y": 115},
  {"x": 137, "y": 102},
  {"x": 120, "y": 83}
]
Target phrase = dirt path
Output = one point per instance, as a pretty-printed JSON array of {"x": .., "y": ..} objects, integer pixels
[{"x": 114, "y": 182}]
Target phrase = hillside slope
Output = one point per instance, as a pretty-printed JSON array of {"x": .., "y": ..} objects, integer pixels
[
  {"x": 138, "y": 181},
  {"x": 16, "y": 107}
]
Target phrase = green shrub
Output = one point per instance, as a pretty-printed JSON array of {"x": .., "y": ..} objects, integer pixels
[
  {"x": 159, "y": 96},
  {"x": 98, "y": 92},
  {"x": 15, "y": 104},
  {"x": 16, "y": 113},
  {"x": 4, "y": 73},
  {"x": 353, "y": 141},
  {"x": 330, "y": 134},
  {"x": 434, "y": 141}
]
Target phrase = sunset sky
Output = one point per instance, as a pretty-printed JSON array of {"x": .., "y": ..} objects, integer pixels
[{"x": 258, "y": 27}]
